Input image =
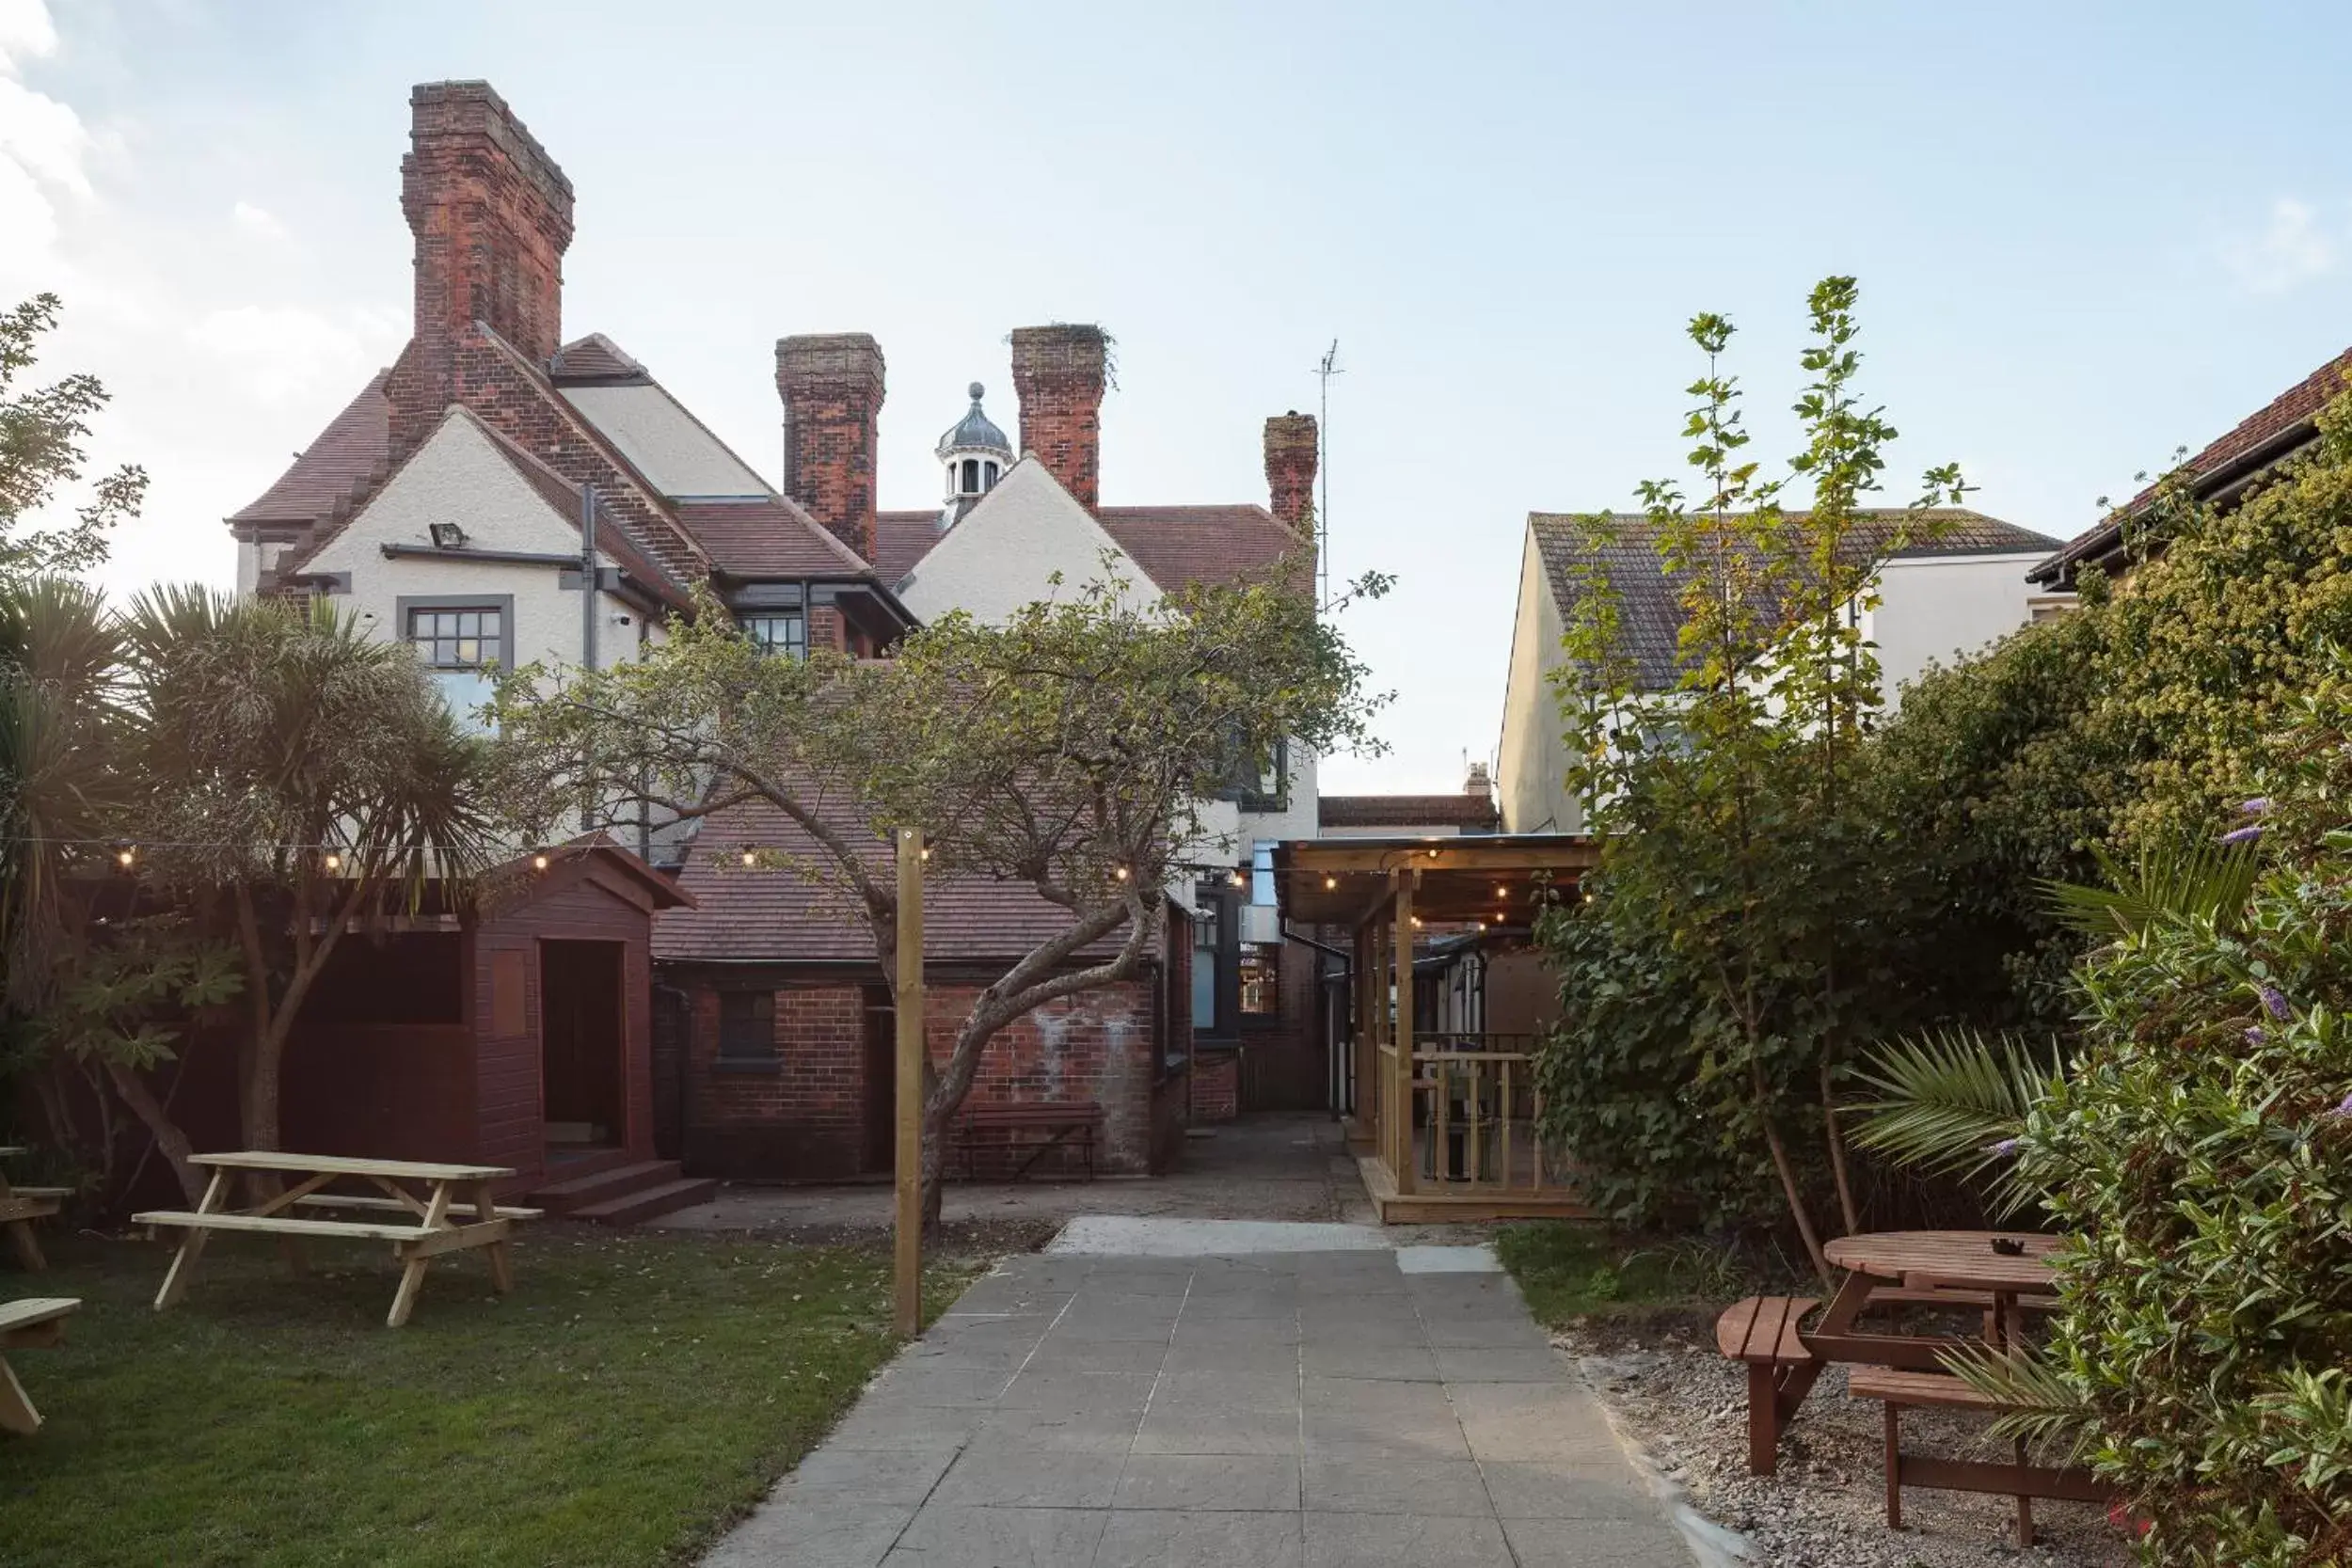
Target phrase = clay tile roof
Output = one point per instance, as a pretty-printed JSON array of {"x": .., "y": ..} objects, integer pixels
[
  {"x": 1469, "y": 813},
  {"x": 343, "y": 456},
  {"x": 1649, "y": 600},
  {"x": 595, "y": 357},
  {"x": 767, "y": 536},
  {"x": 1181, "y": 546},
  {"x": 780, "y": 916},
  {"x": 900, "y": 540},
  {"x": 2278, "y": 422}
]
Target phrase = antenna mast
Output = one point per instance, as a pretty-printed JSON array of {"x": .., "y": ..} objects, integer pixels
[{"x": 1325, "y": 371}]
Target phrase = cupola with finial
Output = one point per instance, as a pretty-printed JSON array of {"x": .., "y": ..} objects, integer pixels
[{"x": 976, "y": 453}]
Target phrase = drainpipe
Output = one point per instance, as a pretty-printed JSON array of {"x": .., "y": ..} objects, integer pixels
[{"x": 588, "y": 577}]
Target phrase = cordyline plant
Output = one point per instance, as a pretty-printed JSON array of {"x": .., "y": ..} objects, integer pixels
[
  {"x": 297, "y": 782},
  {"x": 1732, "y": 834},
  {"x": 1071, "y": 750}
]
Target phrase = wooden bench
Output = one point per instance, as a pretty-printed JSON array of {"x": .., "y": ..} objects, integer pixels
[
  {"x": 1901, "y": 1390},
  {"x": 1064, "y": 1124},
  {"x": 1762, "y": 1332},
  {"x": 35, "y": 1324},
  {"x": 394, "y": 1205},
  {"x": 20, "y": 1207}
]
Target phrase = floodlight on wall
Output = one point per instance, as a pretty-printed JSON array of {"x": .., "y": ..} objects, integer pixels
[{"x": 446, "y": 536}]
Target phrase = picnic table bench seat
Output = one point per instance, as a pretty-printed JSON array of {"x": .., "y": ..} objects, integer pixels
[
  {"x": 1762, "y": 1332},
  {"x": 284, "y": 1224},
  {"x": 1899, "y": 1390},
  {"x": 394, "y": 1205},
  {"x": 38, "y": 1322},
  {"x": 1065, "y": 1123}
]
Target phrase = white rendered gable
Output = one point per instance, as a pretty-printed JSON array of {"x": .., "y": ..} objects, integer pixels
[
  {"x": 1005, "y": 551},
  {"x": 459, "y": 475}
]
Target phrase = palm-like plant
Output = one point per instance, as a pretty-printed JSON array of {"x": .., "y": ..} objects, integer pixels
[
  {"x": 301, "y": 779},
  {"x": 1954, "y": 1103}
]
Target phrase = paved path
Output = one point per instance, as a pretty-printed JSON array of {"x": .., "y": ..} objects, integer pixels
[{"x": 1275, "y": 1410}]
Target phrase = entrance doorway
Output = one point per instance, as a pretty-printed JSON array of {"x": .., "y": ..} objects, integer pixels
[
  {"x": 881, "y": 1080},
  {"x": 582, "y": 1029}
]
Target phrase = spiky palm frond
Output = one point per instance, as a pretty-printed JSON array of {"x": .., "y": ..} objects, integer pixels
[
  {"x": 1949, "y": 1100},
  {"x": 2040, "y": 1405},
  {"x": 2206, "y": 884}
]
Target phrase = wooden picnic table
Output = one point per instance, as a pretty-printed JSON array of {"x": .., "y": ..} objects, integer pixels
[
  {"x": 1885, "y": 1268},
  {"x": 422, "y": 1203},
  {"x": 20, "y": 1207}
]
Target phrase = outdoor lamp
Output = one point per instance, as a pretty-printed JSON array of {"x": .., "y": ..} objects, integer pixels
[
  {"x": 446, "y": 536},
  {"x": 126, "y": 857},
  {"x": 1330, "y": 883},
  {"x": 539, "y": 860}
]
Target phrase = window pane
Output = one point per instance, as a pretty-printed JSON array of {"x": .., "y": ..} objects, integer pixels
[
  {"x": 466, "y": 692},
  {"x": 1203, "y": 988},
  {"x": 1261, "y": 871},
  {"x": 1261, "y": 976},
  {"x": 746, "y": 1025}
]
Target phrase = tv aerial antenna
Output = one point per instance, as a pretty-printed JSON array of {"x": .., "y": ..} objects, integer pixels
[{"x": 1324, "y": 370}]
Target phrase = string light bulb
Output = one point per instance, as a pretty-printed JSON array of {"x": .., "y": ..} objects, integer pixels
[
  {"x": 539, "y": 860},
  {"x": 927, "y": 851},
  {"x": 1120, "y": 873},
  {"x": 1330, "y": 883},
  {"x": 1415, "y": 923},
  {"x": 751, "y": 857},
  {"x": 126, "y": 857},
  {"x": 1234, "y": 877},
  {"x": 333, "y": 861}
]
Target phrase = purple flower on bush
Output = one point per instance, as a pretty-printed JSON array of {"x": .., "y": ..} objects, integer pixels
[
  {"x": 2342, "y": 1110},
  {"x": 2274, "y": 1002},
  {"x": 2006, "y": 1146},
  {"x": 2258, "y": 806},
  {"x": 2243, "y": 836},
  {"x": 2255, "y": 1034}
]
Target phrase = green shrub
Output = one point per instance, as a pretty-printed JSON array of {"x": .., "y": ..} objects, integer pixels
[{"x": 2200, "y": 1153}]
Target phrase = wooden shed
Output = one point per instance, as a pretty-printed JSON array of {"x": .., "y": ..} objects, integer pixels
[{"x": 516, "y": 1034}]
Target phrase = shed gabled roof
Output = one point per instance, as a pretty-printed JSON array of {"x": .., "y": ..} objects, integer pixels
[
  {"x": 1650, "y": 600},
  {"x": 2281, "y": 426},
  {"x": 763, "y": 915},
  {"x": 1467, "y": 812}
]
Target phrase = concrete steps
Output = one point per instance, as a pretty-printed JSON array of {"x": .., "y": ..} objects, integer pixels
[{"x": 623, "y": 1193}]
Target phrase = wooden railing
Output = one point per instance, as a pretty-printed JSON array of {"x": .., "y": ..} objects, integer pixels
[{"x": 1475, "y": 1114}]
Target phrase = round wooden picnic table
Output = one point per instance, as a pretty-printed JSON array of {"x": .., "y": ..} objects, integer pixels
[{"x": 1949, "y": 1260}]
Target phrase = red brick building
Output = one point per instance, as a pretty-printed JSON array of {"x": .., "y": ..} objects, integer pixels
[{"x": 453, "y": 506}]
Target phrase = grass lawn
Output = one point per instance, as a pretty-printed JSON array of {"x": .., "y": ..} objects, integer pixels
[
  {"x": 1569, "y": 1271},
  {"x": 632, "y": 1396}
]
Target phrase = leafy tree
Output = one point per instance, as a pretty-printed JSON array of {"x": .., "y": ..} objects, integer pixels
[
  {"x": 1070, "y": 749},
  {"x": 298, "y": 780},
  {"x": 1735, "y": 831},
  {"x": 41, "y": 454}
]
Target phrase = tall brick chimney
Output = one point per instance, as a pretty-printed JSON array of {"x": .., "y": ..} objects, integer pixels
[
  {"x": 493, "y": 216},
  {"x": 1290, "y": 467},
  {"x": 1058, "y": 372},
  {"x": 832, "y": 386}
]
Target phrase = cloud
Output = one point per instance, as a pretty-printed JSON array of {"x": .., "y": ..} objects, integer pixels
[
  {"x": 2295, "y": 249},
  {"x": 282, "y": 354},
  {"x": 257, "y": 223},
  {"x": 25, "y": 32}
]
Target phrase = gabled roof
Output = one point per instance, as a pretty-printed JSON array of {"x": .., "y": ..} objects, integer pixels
[
  {"x": 1175, "y": 547},
  {"x": 341, "y": 458},
  {"x": 767, "y": 536},
  {"x": 1467, "y": 812},
  {"x": 1650, "y": 601},
  {"x": 2272, "y": 432},
  {"x": 595, "y": 357},
  {"x": 780, "y": 916}
]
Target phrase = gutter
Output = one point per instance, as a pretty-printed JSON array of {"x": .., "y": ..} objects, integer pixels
[{"x": 2224, "y": 484}]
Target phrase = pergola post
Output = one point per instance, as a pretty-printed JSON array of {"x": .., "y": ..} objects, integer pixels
[
  {"x": 1401, "y": 925},
  {"x": 1359, "y": 1046}
]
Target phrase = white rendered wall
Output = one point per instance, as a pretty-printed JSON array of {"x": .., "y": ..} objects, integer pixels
[
  {"x": 1934, "y": 608},
  {"x": 1531, "y": 763},
  {"x": 1004, "y": 553},
  {"x": 459, "y": 476}
]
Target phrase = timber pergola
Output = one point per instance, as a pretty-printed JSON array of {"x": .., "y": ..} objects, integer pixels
[{"x": 1444, "y": 1124}]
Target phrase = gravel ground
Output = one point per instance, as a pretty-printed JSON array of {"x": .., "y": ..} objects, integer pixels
[{"x": 1826, "y": 1507}]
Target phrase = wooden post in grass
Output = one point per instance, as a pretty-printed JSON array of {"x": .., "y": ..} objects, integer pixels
[{"x": 908, "y": 1164}]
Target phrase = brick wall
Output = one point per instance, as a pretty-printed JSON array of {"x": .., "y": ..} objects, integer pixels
[
  {"x": 831, "y": 388},
  {"x": 1215, "y": 1085},
  {"x": 1059, "y": 372},
  {"x": 492, "y": 216},
  {"x": 808, "y": 1115}
]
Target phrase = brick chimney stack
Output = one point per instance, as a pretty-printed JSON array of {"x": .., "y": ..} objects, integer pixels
[
  {"x": 492, "y": 214},
  {"x": 1290, "y": 468},
  {"x": 832, "y": 386},
  {"x": 1058, "y": 372}
]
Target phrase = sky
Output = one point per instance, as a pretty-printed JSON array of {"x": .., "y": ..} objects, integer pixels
[{"x": 2087, "y": 235}]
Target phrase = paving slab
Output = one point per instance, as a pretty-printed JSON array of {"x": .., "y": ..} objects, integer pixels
[{"x": 1307, "y": 1407}]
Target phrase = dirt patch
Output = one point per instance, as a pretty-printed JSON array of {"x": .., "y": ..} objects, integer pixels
[{"x": 1826, "y": 1505}]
